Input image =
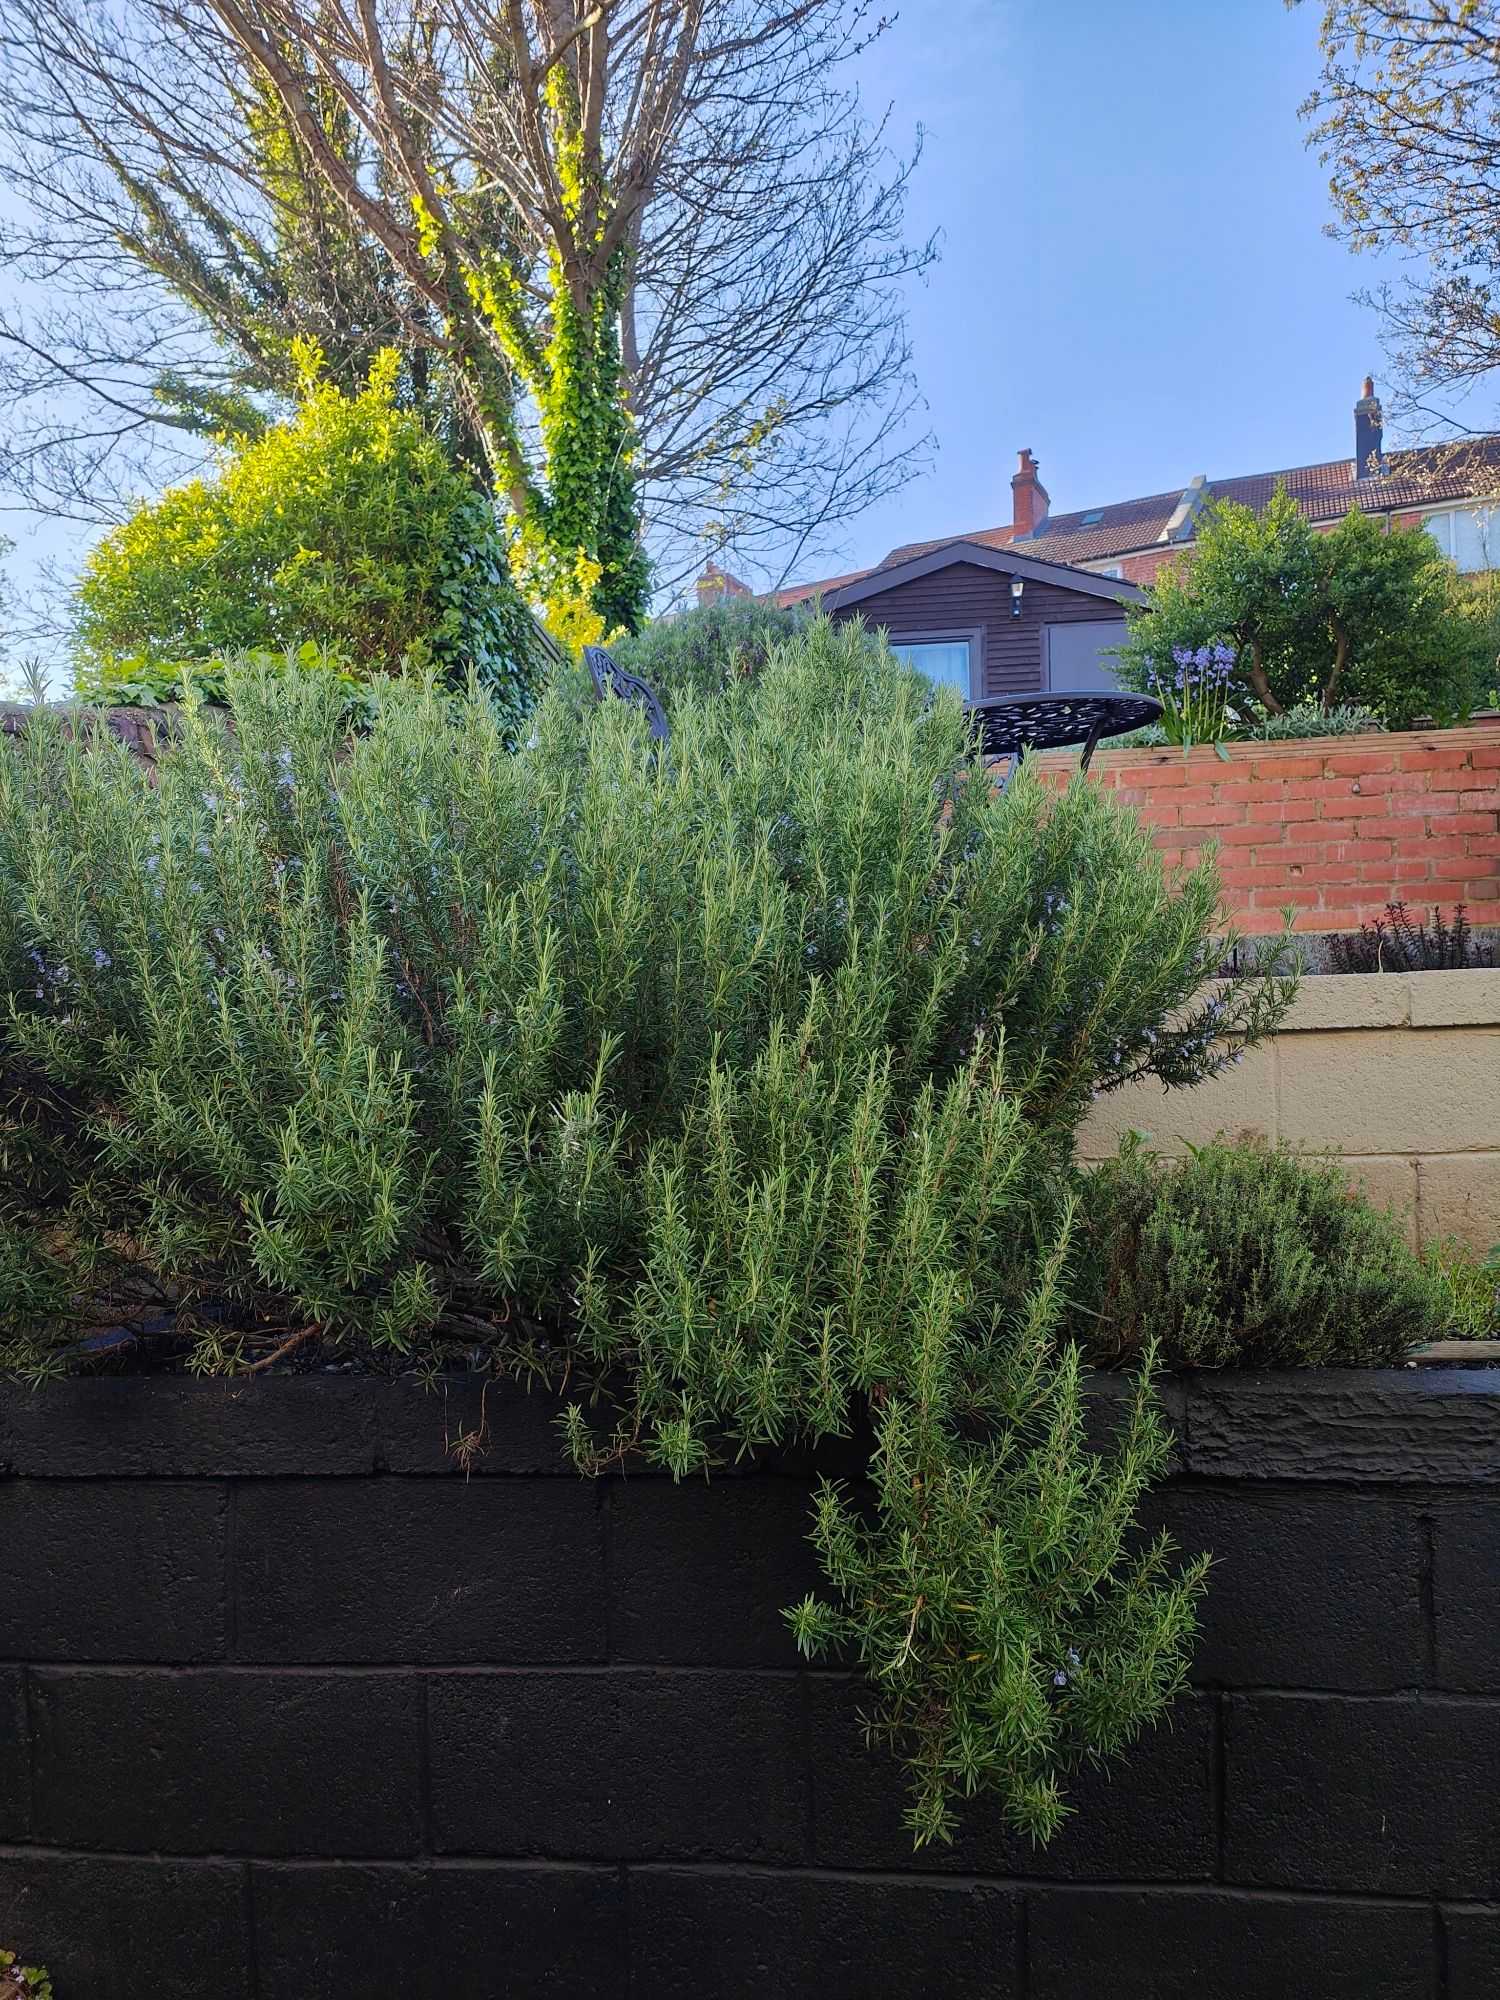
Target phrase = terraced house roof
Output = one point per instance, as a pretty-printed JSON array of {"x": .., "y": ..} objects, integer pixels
[{"x": 1423, "y": 476}]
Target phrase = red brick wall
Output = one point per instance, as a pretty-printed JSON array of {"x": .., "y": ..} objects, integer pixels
[{"x": 1336, "y": 827}]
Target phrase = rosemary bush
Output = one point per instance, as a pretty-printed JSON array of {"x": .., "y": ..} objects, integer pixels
[
  {"x": 1245, "y": 1255},
  {"x": 738, "y": 1080}
]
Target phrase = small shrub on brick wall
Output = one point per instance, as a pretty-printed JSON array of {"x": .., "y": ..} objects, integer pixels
[
  {"x": 1244, "y": 1256},
  {"x": 735, "y": 1079},
  {"x": 1401, "y": 942}
]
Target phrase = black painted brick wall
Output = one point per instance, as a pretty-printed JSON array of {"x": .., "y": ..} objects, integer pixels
[{"x": 292, "y": 1710}]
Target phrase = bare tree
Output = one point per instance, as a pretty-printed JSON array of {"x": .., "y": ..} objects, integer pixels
[
  {"x": 646, "y": 254},
  {"x": 1407, "y": 116}
]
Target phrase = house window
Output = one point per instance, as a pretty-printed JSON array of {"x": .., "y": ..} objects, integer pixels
[
  {"x": 952, "y": 659},
  {"x": 1468, "y": 536}
]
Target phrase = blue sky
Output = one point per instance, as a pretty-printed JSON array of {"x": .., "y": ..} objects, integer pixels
[{"x": 1134, "y": 279}]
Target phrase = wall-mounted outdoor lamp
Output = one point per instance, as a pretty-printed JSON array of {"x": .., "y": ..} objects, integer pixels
[{"x": 1017, "y": 585}]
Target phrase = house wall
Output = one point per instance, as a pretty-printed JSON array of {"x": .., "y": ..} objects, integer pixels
[
  {"x": 962, "y": 595},
  {"x": 1399, "y": 1071},
  {"x": 1335, "y": 828},
  {"x": 290, "y": 1706}
]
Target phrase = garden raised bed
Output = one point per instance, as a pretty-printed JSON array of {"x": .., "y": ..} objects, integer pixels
[{"x": 290, "y": 1707}]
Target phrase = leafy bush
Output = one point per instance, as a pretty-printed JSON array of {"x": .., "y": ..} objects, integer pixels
[
  {"x": 1292, "y": 725},
  {"x": 22, "y": 1982},
  {"x": 1470, "y": 1288},
  {"x": 1399, "y": 942},
  {"x": 1295, "y": 725},
  {"x": 347, "y": 529},
  {"x": 703, "y": 650},
  {"x": 1355, "y": 615},
  {"x": 1243, "y": 1255},
  {"x": 737, "y": 1082}
]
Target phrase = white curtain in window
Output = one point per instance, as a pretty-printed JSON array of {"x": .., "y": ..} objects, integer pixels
[
  {"x": 1469, "y": 536},
  {"x": 945, "y": 661}
]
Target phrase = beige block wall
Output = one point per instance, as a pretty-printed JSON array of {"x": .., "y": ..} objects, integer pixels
[{"x": 1398, "y": 1071}]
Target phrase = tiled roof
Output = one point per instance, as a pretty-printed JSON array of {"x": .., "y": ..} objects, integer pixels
[
  {"x": 798, "y": 593},
  {"x": 1425, "y": 476}
]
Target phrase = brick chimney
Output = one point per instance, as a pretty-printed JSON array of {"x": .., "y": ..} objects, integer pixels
[
  {"x": 1369, "y": 428},
  {"x": 717, "y": 586},
  {"x": 1028, "y": 496}
]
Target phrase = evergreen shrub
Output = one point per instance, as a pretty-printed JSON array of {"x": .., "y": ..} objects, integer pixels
[
  {"x": 734, "y": 1080},
  {"x": 1244, "y": 1255},
  {"x": 703, "y": 650},
  {"x": 345, "y": 534}
]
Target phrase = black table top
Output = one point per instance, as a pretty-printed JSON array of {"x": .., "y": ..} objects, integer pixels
[{"x": 1012, "y": 722}]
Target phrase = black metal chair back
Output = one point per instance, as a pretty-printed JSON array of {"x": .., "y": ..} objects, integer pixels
[{"x": 610, "y": 678}]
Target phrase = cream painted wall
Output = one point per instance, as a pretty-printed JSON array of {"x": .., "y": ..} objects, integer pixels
[{"x": 1399, "y": 1071}]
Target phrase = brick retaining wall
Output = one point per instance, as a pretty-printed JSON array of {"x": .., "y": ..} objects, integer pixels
[
  {"x": 290, "y": 1708},
  {"x": 1336, "y": 827}
]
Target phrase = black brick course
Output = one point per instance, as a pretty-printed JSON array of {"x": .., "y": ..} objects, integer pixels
[
  {"x": 620, "y": 1765},
  {"x": 384, "y": 1933},
  {"x": 1471, "y": 1940},
  {"x": 219, "y": 1763},
  {"x": 1387, "y": 1796},
  {"x": 1108, "y": 1944},
  {"x": 721, "y": 1936},
  {"x": 1466, "y": 1594},
  {"x": 290, "y": 1706},
  {"x": 436, "y": 1571},
  {"x": 110, "y": 1929},
  {"x": 112, "y": 1570},
  {"x": 15, "y": 1776}
]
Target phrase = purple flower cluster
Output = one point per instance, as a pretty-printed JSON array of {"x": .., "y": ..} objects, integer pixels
[{"x": 1204, "y": 670}]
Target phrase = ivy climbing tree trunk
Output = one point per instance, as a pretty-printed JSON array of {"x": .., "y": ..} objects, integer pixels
[
  {"x": 516, "y": 239},
  {"x": 644, "y": 260}
]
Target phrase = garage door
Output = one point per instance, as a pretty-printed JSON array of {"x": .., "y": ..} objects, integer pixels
[{"x": 1076, "y": 657}]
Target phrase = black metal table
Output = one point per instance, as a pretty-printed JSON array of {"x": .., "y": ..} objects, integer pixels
[{"x": 1011, "y": 724}]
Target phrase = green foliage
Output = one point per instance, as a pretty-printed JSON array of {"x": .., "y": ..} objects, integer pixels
[
  {"x": 1243, "y": 1255},
  {"x": 146, "y": 683},
  {"x": 346, "y": 529},
  {"x": 1470, "y": 1289},
  {"x": 22, "y": 1982},
  {"x": 1292, "y": 725},
  {"x": 703, "y": 650},
  {"x": 739, "y": 1082},
  {"x": 1352, "y": 616},
  {"x": 1308, "y": 719}
]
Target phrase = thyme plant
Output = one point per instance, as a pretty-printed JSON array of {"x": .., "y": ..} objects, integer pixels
[{"x": 735, "y": 1080}]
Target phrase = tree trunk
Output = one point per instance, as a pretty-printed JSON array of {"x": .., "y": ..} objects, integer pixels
[
  {"x": 1340, "y": 655},
  {"x": 1259, "y": 682}
]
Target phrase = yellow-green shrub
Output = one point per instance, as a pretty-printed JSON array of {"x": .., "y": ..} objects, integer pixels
[{"x": 347, "y": 529}]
